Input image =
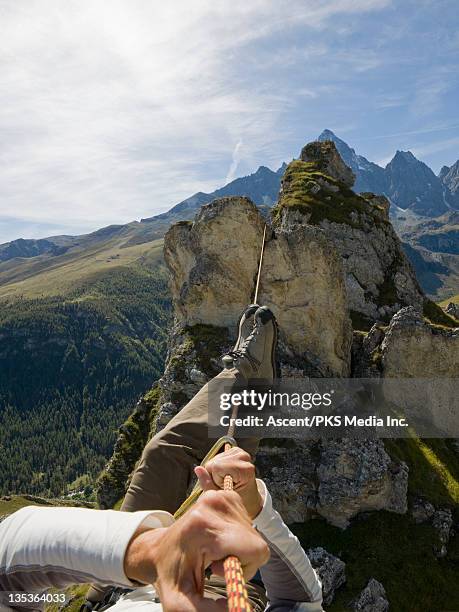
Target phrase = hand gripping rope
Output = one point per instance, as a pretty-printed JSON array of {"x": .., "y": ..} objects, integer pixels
[{"x": 236, "y": 590}]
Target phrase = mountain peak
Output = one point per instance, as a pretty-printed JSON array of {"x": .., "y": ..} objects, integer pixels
[
  {"x": 449, "y": 176},
  {"x": 263, "y": 170},
  {"x": 327, "y": 135},
  {"x": 406, "y": 156},
  {"x": 444, "y": 171}
]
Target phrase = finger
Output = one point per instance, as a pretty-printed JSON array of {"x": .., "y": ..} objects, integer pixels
[
  {"x": 222, "y": 466},
  {"x": 205, "y": 479},
  {"x": 212, "y": 605},
  {"x": 191, "y": 602}
]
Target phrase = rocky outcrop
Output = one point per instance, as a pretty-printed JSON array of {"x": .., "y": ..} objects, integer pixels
[
  {"x": 213, "y": 264},
  {"x": 442, "y": 521},
  {"x": 325, "y": 157},
  {"x": 331, "y": 570},
  {"x": 335, "y": 479},
  {"x": 372, "y": 599},
  {"x": 422, "y": 510},
  {"x": 303, "y": 285},
  {"x": 409, "y": 344},
  {"x": 366, "y": 353},
  {"x": 379, "y": 201},
  {"x": 379, "y": 277},
  {"x": 356, "y": 476}
]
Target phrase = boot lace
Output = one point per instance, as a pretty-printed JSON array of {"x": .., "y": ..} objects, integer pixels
[{"x": 243, "y": 351}]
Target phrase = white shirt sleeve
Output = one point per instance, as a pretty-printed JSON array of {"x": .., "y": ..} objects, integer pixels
[
  {"x": 288, "y": 575},
  {"x": 43, "y": 547}
]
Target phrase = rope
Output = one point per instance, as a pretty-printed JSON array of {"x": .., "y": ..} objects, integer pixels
[
  {"x": 236, "y": 591},
  {"x": 260, "y": 263}
]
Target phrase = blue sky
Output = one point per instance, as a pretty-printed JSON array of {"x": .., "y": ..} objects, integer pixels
[{"x": 111, "y": 111}]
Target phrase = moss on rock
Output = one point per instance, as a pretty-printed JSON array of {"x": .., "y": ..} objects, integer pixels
[
  {"x": 307, "y": 189},
  {"x": 208, "y": 342}
]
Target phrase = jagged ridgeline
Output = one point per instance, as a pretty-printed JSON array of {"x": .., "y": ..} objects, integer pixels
[
  {"x": 82, "y": 336},
  {"x": 348, "y": 303}
]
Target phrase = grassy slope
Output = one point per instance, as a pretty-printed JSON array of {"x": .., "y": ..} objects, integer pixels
[
  {"x": 454, "y": 299},
  {"x": 392, "y": 548},
  {"x": 83, "y": 335},
  {"x": 44, "y": 275}
]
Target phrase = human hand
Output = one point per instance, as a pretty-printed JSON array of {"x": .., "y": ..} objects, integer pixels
[
  {"x": 174, "y": 558},
  {"x": 237, "y": 464}
]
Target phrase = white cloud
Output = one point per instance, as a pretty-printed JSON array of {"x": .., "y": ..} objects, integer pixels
[
  {"x": 236, "y": 158},
  {"x": 111, "y": 111}
]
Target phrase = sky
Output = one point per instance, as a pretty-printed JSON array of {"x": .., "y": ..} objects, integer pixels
[{"x": 113, "y": 110}]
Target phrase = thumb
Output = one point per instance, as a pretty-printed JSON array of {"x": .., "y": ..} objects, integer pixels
[{"x": 205, "y": 479}]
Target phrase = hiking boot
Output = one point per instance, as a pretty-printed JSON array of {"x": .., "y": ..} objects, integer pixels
[
  {"x": 245, "y": 328},
  {"x": 245, "y": 325},
  {"x": 255, "y": 356}
]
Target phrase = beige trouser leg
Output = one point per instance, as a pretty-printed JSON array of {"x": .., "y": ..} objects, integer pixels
[{"x": 165, "y": 471}]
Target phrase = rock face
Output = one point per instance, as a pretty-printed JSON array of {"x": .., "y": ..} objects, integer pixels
[
  {"x": 414, "y": 186},
  {"x": 335, "y": 479},
  {"x": 214, "y": 262},
  {"x": 326, "y": 158},
  {"x": 372, "y": 599},
  {"x": 450, "y": 178},
  {"x": 356, "y": 476},
  {"x": 331, "y": 570},
  {"x": 409, "y": 344},
  {"x": 379, "y": 278},
  {"x": 303, "y": 285},
  {"x": 442, "y": 521},
  {"x": 369, "y": 176}
]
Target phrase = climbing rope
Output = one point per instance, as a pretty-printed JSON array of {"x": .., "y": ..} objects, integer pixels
[
  {"x": 260, "y": 263},
  {"x": 236, "y": 590}
]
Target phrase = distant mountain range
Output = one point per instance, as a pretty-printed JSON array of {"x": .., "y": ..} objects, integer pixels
[
  {"x": 262, "y": 187},
  {"x": 408, "y": 182},
  {"x": 424, "y": 211}
]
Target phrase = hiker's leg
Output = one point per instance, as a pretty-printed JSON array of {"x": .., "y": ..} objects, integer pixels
[{"x": 165, "y": 471}]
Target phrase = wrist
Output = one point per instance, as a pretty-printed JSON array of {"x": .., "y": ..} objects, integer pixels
[
  {"x": 142, "y": 554},
  {"x": 253, "y": 501}
]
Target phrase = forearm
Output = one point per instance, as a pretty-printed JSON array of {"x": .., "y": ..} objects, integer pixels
[
  {"x": 45, "y": 547},
  {"x": 288, "y": 575}
]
